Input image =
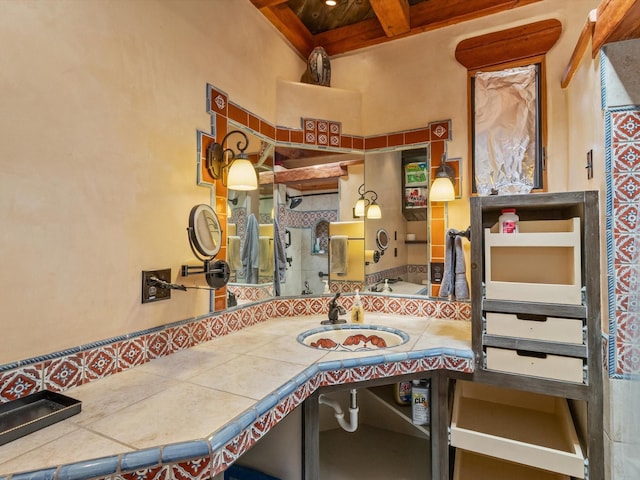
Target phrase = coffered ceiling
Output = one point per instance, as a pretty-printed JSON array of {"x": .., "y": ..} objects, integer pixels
[{"x": 354, "y": 24}]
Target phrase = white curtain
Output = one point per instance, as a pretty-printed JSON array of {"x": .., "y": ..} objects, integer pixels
[{"x": 505, "y": 130}]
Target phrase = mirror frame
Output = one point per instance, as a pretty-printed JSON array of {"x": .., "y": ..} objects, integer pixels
[
  {"x": 382, "y": 239},
  {"x": 205, "y": 213},
  {"x": 324, "y": 134}
]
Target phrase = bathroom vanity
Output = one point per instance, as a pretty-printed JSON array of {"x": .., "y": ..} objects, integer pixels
[
  {"x": 249, "y": 361},
  {"x": 532, "y": 408}
]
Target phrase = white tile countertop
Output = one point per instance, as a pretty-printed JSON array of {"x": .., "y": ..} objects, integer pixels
[{"x": 194, "y": 402}]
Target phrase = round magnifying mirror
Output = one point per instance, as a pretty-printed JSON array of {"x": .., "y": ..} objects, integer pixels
[
  {"x": 382, "y": 239},
  {"x": 205, "y": 232}
]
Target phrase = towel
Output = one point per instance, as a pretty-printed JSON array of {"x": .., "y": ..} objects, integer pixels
[
  {"x": 265, "y": 256},
  {"x": 280, "y": 258},
  {"x": 338, "y": 252},
  {"x": 460, "y": 284},
  {"x": 454, "y": 284},
  {"x": 233, "y": 253},
  {"x": 249, "y": 252}
]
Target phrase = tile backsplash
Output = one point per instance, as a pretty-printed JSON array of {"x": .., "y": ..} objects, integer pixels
[{"x": 59, "y": 371}]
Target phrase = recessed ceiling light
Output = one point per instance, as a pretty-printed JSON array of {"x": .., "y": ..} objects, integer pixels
[{"x": 331, "y": 3}]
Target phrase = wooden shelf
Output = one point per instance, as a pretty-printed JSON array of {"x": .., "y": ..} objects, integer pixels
[
  {"x": 521, "y": 427},
  {"x": 384, "y": 395},
  {"x": 471, "y": 466}
]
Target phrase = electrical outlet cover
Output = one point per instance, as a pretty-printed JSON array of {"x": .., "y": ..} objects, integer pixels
[{"x": 153, "y": 293}]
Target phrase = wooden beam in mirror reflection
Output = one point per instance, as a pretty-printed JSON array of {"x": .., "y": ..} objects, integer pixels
[
  {"x": 305, "y": 174},
  {"x": 315, "y": 177}
]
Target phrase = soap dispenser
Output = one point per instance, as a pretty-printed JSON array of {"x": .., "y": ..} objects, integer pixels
[
  {"x": 326, "y": 287},
  {"x": 357, "y": 311},
  {"x": 386, "y": 288}
]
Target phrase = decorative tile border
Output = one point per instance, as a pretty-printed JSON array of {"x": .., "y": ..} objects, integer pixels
[
  {"x": 306, "y": 218},
  {"x": 622, "y": 233},
  {"x": 324, "y": 133},
  {"x": 60, "y": 371},
  {"x": 252, "y": 293}
]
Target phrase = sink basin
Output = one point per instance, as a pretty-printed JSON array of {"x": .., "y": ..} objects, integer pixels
[{"x": 353, "y": 337}]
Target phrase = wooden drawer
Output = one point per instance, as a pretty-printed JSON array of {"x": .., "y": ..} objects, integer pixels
[
  {"x": 541, "y": 263},
  {"x": 556, "y": 367},
  {"x": 522, "y": 427},
  {"x": 471, "y": 466},
  {"x": 534, "y": 327}
]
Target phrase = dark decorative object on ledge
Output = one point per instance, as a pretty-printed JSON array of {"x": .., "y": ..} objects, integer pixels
[
  {"x": 33, "y": 412},
  {"x": 318, "y": 68}
]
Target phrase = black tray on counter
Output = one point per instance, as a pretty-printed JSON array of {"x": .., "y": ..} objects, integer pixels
[{"x": 33, "y": 412}]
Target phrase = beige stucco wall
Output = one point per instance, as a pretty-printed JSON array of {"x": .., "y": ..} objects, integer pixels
[
  {"x": 101, "y": 104},
  {"x": 101, "y": 101}
]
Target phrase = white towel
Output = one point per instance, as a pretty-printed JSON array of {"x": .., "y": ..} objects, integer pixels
[
  {"x": 265, "y": 256},
  {"x": 339, "y": 253},
  {"x": 233, "y": 253}
]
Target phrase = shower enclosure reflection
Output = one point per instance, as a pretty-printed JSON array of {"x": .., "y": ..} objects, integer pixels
[
  {"x": 250, "y": 230},
  {"x": 310, "y": 203}
]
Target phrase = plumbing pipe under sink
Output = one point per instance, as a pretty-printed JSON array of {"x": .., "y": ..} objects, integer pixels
[{"x": 350, "y": 426}]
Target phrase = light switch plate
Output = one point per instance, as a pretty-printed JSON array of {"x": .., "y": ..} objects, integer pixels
[{"x": 437, "y": 271}]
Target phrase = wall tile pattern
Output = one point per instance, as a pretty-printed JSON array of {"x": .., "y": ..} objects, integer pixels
[{"x": 622, "y": 137}]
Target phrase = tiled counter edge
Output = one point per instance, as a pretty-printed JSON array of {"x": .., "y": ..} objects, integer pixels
[{"x": 204, "y": 458}]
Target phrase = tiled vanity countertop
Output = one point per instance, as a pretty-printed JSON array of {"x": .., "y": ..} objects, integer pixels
[{"x": 197, "y": 410}]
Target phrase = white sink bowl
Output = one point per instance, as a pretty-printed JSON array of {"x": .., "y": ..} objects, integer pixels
[{"x": 353, "y": 337}]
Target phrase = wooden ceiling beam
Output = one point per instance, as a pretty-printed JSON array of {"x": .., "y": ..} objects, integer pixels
[
  {"x": 581, "y": 46},
  {"x": 436, "y": 14},
  {"x": 351, "y": 37},
  {"x": 616, "y": 20},
  {"x": 286, "y": 21},
  {"x": 393, "y": 16},
  {"x": 424, "y": 16},
  {"x": 260, "y": 4},
  {"x": 391, "y": 21}
]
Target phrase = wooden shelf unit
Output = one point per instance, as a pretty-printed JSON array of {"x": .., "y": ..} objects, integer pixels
[
  {"x": 413, "y": 213},
  {"x": 530, "y": 332}
]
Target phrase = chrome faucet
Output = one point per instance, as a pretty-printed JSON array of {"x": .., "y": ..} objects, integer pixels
[
  {"x": 307, "y": 290},
  {"x": 334, "y": 311}
]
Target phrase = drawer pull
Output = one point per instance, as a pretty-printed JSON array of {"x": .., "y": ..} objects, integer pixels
[
  {"x": 531, "y": 317},
  {"x": 527, "y": 353}
]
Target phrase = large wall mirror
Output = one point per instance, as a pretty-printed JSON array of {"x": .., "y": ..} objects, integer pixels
[
  {"x": 299, "y": 233},
  {"x": 250, "y": 227},
  {"x": 315, "y": 191},
  {"x": 304, "y": 210},
  {"x": 404, "y": 262}
]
